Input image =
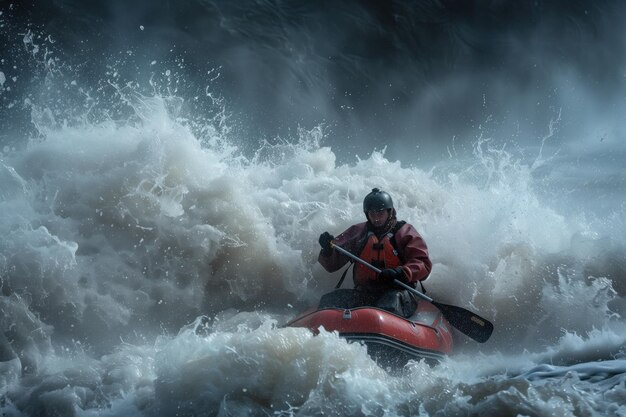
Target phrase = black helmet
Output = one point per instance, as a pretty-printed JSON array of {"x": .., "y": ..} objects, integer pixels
[{"x": 377, "y": 200}]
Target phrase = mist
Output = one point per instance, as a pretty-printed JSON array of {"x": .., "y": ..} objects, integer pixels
[
  {"x": 415, "y": 78},
  {"x": 165, "y": 171}
]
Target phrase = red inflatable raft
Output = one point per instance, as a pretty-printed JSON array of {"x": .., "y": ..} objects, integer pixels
[{"x": 390, "y": 339}]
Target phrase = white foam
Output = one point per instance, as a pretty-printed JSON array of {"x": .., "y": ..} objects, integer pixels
[{"x": 115, "y": 234}]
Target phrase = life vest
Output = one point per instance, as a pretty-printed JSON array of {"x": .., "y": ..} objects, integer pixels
[{"x": 379, "y": 253}]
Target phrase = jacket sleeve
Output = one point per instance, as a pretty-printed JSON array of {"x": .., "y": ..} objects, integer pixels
[
  {"x": 413, "y": 250},
  {"x": 347, "y": 240}
]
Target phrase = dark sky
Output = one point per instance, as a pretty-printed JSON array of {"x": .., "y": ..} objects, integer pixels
[{"x": 408, "y": 75}]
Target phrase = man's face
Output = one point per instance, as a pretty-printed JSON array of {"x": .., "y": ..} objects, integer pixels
[{"x": 378, "y": 217}]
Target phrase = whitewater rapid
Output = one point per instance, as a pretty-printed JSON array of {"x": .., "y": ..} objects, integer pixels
[
  {"x": 147, "y": 263},
  {"x": 118, "y": 235}
]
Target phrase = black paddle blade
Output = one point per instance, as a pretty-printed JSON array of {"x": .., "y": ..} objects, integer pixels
[{"x": 466, "y": 322}]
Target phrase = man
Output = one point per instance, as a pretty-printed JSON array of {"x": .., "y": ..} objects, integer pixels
[{"x": 393, "y": 246}]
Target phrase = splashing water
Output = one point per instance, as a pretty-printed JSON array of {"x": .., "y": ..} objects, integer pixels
[{"x": 145, "y": 262}]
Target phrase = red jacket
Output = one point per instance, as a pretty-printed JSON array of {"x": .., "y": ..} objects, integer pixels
[{"x": 411, "y": 249}]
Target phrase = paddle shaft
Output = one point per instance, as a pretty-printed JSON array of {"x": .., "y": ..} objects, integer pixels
[{"x": 373, "y": 268}]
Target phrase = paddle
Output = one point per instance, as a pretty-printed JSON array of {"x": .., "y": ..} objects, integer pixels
[{"x": 465, "y": 321}]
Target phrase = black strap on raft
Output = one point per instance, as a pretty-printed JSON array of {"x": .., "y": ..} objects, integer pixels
[{"x": 343, "y": 276}]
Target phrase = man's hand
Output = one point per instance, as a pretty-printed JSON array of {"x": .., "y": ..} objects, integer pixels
[
  {"x": 389, "y": 274},
  {"x": 324, "y": 240}
]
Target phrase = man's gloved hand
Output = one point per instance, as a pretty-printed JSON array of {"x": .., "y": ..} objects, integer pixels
[
  {"x": 325, "y": 239},
  {"x": 389, "y": 274}
]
